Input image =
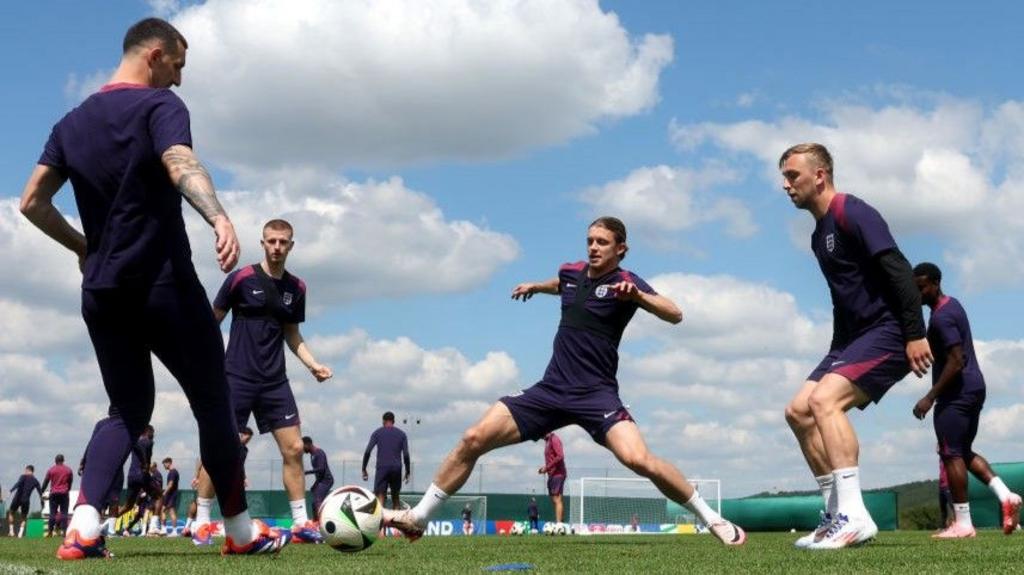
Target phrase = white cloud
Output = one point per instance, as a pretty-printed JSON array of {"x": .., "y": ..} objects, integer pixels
[
  {"x": 951, "y": 169},
  {"x": 666, "y": 199},
  {"x": 359, "y": 240},
  {"x": 47, "y": 272},
  {"x": 20, "y": 328},
  {"x": 355, "y": 83}
]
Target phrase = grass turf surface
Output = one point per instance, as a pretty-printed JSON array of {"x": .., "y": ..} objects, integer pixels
[{"x": 893, "y": 552}]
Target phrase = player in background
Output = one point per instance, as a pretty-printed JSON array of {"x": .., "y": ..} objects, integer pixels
[
  {"x": 554, "y": 467},
  {"x": 127, "y": 151},
  {"x": 533, "y": 514},
  {"x": 467, "y": 519},
  {"x": 20, "y": 499},
  {"x": 392, "y": 451},
  {"x": 197, "y": 516},
  {"x": 153, "y": 525},
  {"x": 579, "y": 387},
  {"x": 59, "y": 479},
  {"x": 169, "y": 502},
  {"x": 958, "y": 394},
  {"x": 267, "y": 304},
  {"x": 878, "y": 337},
  {"x": 321, "y": 472},
  {"x": 139, "y": 479}
]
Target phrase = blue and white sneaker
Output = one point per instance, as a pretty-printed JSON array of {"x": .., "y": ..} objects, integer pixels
[
  {"x": 308, "y": 532},
  {"x": 818, "y": 534},
  {"x": 847, "y": 531}
]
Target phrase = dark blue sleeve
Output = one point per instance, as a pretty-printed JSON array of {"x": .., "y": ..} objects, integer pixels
[
  {"x": 169, "y": 123},
  {"x": 53, "y": 152},
  {"x": 299, "y": 309},
  {"x": 866, "y": 224},
  {"x": 405, "y": 451},
  {"x": 369, "y": 447},
  {"x": 640, "y": 283},
  {"x": 948, "y": 328},
  {"x": 223, "y": 300},
  {"x": 17, "y": 484}
]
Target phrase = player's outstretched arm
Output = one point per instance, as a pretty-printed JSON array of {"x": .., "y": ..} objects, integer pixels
[
  {"x": 37, "y": 206},
  {"x": 193, "y": 181},
  {"x": 659, "y": 305},
  {"x": 526, "y": 290},
  {"x": 293, "y": 337}
]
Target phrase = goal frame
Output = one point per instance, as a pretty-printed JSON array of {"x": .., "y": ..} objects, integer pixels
[{"x": 699, "y": 483}]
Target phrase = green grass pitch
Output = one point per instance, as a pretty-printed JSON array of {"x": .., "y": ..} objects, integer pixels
[{"x": 900, "y": 552}]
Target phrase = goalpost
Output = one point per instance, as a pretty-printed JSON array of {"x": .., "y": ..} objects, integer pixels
[
  {"x": 451, "y": 511},
  {"x": 634, "y": 505}
]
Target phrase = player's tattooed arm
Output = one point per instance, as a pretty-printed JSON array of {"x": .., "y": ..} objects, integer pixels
[
  {"x": 193, "y": 181},
  {"x": 189, "y": 175}
]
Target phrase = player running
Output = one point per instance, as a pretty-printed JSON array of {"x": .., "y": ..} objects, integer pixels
[
  {"x": 958, "y": 394},
  {"x": 59, "y": 479},
  {"x": 321, "y": 472},
  {"x": 392, "y": 451},
  {"x": 127, "y": 150},
  {"x": 554, "y": 467},
  {"x": 579, "y": 387},
  {"x": 20, "y": 500},
  {"x": 267, "y": 304},
  {"x": 878, "y": 337}
]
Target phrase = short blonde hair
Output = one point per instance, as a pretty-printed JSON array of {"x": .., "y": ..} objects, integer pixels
[{"x": 817, "y": 152}]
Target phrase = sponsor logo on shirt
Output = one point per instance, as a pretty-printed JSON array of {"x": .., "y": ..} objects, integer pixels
[{"x": 830, "y": 243}]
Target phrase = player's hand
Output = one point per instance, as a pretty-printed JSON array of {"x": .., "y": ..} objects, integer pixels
[
  {"x": 541, "y": 471},
  {"x": 919, "y": 354},
  {"x": 524, "y": 291},
  {"x": 922, "y": 407},
  {"x": 321, "y": 372},
  {"x": 227, "y": 243},
  {"x": 366, "y": 476},
  {"x": 195, "y": 482},
  {"x": 407, "y": 480},
  {"x": 625, "y": 291}
]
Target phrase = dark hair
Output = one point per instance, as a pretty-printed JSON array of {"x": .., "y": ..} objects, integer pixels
[
  {"x": 246, "y": 430},
  {"x": 150, "y": 29},
  {"x": 817, "y": 152},
  {"x": 307, "y": 440},
  {"x": 59, "y": 458},
  {"x": 928, "y": 270},
  {"x": 616, "y": 227},
  {"x": 388, "y": 416},
  {"x": 168, "y": 460},
  {"x": 280, "y": 226},
  {"x": 149, "y": 429},
  {"x": 31, "y": 467}
]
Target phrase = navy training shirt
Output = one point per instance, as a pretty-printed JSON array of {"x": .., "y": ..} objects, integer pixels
[
  {"x": 949, "y": 327},
  {"x": 586, "y": 346},
  {"x": 172, "y": 476},
  {"x": 845, "y": 242},
  {"x": 142, "y": 452},
  {"x": 110, "y": 147},
  {"x": 24, "y": 487},
  {"x": 256, "y": 346},
  {"x": 321, "y": 471},
  {"x": 392, "y": 447}
]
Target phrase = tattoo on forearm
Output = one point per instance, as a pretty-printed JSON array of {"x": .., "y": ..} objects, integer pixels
[{"x": 193, "y": 182}]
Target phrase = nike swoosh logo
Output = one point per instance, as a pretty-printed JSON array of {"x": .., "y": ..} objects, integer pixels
[
  {"x": 847, "y": 476},
  {"x": 257, "y": 291},
  {"x": 289, "y": 416},
  {"x": 610, "y": 413},
  {"x": 835, "y": 363},
  {"x": 570, "y": 285}
]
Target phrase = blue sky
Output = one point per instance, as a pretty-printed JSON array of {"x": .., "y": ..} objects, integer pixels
[{"x": 435, "y": 154}]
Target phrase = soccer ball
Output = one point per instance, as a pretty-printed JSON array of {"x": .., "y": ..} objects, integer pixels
[
  {"x": 561, "y": 529},
  {"x": 549, "y": 528},
  {"x": 350, "y": 519},
  {"x": 517, "y": 529}
]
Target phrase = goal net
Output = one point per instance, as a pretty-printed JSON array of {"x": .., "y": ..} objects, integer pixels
[
  {"x": 447, "y": 520},
  {"x": 634, "y": 505}
]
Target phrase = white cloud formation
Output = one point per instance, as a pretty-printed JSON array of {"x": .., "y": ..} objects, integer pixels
[
  {"x": 355, "y": 83},
  {"x": 358, "y": 240},
  {"x": 663, "y": 199},
  {"x": 20, "y": 328},
  {"x": 48, "y": 274},
  {"x": 951, "y": 170}
]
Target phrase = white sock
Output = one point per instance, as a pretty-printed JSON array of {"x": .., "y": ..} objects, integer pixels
[
  {"x": 702, "y": 510},
  {"x": 86, "y": 519},
  {"x": 188, "y": 522},
  {"x": 999, "y": 488},
  {"x": 827, "y": 484},
  {"x": 432, "y": 500},
  {"x": 21, "y": 530},
  {"x": 203, "y": 506},
  {"x": 154, "y": 524},
  {"x": 963, "y": 514},
  {"x": 240, "y": 528},
  {"x": 299, "y": 516},
  {"x": 849, "y": 500}
]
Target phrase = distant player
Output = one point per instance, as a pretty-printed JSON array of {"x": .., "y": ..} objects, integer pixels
[
  {"x": 170, "y": 497},
  {"x": 59, "y": 479},
  {"x": 467, "y": 520},
  {"x": 958, "y": 393},
  {"x": 946, "y": 512},
  {"x": 533, "y": 514},
  {"x": 21, "y": 496},
  {"x": 392, "y": 450},
  {"x": 154, "y": 503},
  {"x": 267, "y": 304},
  {"x": 579, "y": 387},
  {"x": 321, "y": 472},
  {"x": 127, "y": 151},
  {"x": 139, "y": 477},
  {"x": 878, "y": 337},
  {"x": 554, "y": 466}
]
